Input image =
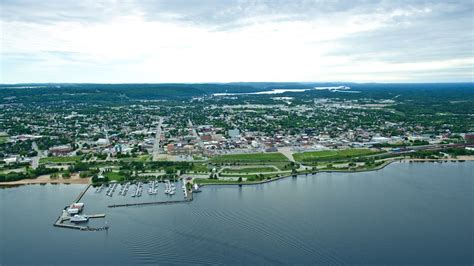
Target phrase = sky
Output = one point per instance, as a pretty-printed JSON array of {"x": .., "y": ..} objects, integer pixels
[{"x": 190, "y": 41}]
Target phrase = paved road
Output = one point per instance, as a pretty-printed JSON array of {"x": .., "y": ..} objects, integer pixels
[
  {"x": 35, "y": 160},
  {"x": 195, "y": 134},
  {"x": 156, "y": 145}
]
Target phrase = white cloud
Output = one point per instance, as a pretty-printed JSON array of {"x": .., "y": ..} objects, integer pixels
[{"x": 131, "y": 47}]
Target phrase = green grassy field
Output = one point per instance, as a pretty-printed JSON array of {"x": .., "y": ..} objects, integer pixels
[
  {"x": 200, "y": 167},
  {"x": 250, "y": 157},
  {"x": 70, "y": 159},
  {"x": 213, "y": 181},
  {"x": 3, "y": 140},
  {"x": 250, "y": 179},
  {"x": 330, "y": 155},
  {"x": 250, "y": 170},
  {"x": 114, "y": 176},
  {"x": 144, "y": 158}
]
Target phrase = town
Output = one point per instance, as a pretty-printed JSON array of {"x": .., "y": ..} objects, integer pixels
[{"x": 223, "y": 137}]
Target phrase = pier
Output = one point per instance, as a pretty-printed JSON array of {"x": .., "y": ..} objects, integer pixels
[
  {"x": 79, "y": 197},
  {"x": 82, "y": 228},
  {"x": 188, "y": 194},
  {"x": 65, "y": 217},
  {"x": 149, "y": 203}
]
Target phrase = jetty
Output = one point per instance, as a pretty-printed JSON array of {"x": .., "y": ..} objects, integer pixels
[
  {"x": 79, "y": 197},
  {"x": 82, "y": 228},
  {"x": 149, "y": 203},
  {"x": 66, "y": 217}
]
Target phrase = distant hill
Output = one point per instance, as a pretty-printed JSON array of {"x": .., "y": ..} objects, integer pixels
[{"x": 47, "y": 93}]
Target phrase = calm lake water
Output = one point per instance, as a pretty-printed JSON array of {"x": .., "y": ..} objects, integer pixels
[{"x": 420, "y": 213}]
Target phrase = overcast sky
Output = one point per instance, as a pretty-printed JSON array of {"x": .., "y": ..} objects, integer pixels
[{"x": 224, "y": 41}]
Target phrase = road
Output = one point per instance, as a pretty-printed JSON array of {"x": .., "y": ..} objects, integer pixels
[
  {"x": 156, "y": 145},
  {"x": 35, "y": 160},
  {"x": 195, "y": 134}
]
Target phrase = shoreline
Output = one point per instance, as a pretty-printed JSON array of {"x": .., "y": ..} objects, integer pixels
[
  {"x": 47, "y": 180},
  {"x": 75, "y": 179},
  {"x": 380, "y": 167}
]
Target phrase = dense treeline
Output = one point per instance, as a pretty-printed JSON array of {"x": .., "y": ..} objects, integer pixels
[
  {"x": 30, "y": 173},
  {"x": 117, "y": 93},
  {"x": 454, "y": 152}
]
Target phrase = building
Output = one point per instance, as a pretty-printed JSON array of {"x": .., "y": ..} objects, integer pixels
[
  {"x": 11, "y": 160},
  {"x": 61, "y": 150},
  {"x": 102, "y": 142},
  {"x": 469, "y": 137},
  {"x": 234, "y": 133}
]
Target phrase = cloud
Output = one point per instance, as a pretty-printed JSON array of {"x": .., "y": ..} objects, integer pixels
[{"x": 233, "y": 40}]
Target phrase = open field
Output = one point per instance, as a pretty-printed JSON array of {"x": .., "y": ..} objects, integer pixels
[
  {"x": 200, "y": 168},
  {"x": 250, "y": 170},
  {"x": 70, "y": 159},
  {"x": 3, "y": 139},
  {"x": 333, "y": 155},
  {"x": 114, "y": 176},
  {"x": 214, "y": 181},
  {"x": 250, "y": 157},
  {"x": 141, "y": 158}
]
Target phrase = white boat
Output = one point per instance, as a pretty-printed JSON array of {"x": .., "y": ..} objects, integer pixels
[
  {"x": 79, "y": 218},
  {"x": 196, "y": 188},
  {"x": 172, "y": 192},
  {"x": 72, "y": 210}
]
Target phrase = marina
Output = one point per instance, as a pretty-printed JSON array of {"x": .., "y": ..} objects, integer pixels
[
  {"x": 72, "y": 218},
  {"x": 137, "y": 189},
  {"x": 71, "y": 214}
]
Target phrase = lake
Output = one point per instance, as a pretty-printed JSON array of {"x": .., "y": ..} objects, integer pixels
[{"x": 406, "y": 213}]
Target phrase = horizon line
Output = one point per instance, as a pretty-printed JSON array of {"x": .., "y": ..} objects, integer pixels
[{"x": 233, "y": 82}]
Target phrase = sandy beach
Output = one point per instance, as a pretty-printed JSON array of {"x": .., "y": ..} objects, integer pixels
[{"x": 74, "y": 179}]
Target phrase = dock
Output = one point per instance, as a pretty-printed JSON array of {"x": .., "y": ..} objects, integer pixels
[
  {"x": 188, "y": 194},
  {"x": 79, "y": 197},
  {"x": 149, "y": 203},
  {"x": 82, "y": 228},
  {"x": 60, "y": 222},
  {"x": 65, "y": 217}
]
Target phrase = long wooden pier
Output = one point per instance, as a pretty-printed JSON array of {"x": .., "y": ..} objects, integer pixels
[
  {"x": 82, "y": 228},
  {"x": 148, "y": 203},
  {"x": 79, "y": 197}
]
